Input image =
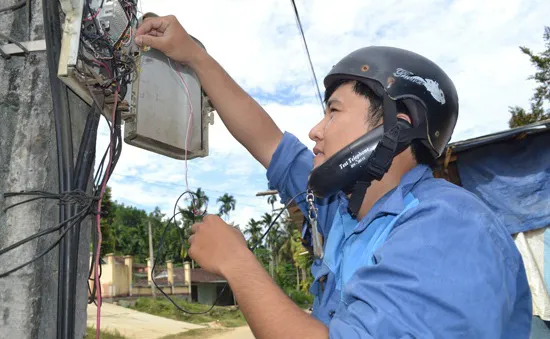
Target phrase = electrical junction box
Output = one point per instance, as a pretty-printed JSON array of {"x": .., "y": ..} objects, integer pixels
[
  {"x": 167, "y": 110},
  {"x": 164, "y": 108}
]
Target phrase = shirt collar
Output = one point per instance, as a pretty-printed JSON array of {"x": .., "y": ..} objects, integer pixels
[{"x": 392, "y": 202}]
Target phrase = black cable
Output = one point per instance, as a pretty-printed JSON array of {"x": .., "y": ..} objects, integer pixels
[
  {"x": 44, "y": 232},
  {"x": 66, "y": 302},
  {"x": 86, "y": 153},
  {"x": 194, "y": 212},
  {"x": 299, "y": 22},
  {"x": 85, "y": 162},
  {"x": 13, "y": 7},
  {"x": 226, "y": 284},
  {"x": 76, "y": 197},
  {"x": 71, "y": 200},
  {"x": 52, "y": 246},
  {"x": 13, "y": 41},
  {"x": 275, "y": 220}
]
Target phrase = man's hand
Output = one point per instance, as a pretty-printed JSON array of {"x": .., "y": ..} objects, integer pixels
[
  {"x": 216, "y": 246},
  {"x": 168, "y": 36}
]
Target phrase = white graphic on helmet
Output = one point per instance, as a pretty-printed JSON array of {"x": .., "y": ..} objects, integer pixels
[{"x": 430, "y": 84}]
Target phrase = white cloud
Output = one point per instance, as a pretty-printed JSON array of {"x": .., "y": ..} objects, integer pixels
[{"x": 476, "y": 42}]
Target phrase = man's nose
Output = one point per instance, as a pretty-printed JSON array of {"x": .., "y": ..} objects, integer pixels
[{"x": 317, "y": 132}]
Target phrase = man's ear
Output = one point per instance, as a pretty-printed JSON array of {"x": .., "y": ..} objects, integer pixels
[{"x": 404, "y": 117}]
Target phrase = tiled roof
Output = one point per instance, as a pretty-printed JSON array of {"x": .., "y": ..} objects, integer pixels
[{"x": 198, "y": 275}]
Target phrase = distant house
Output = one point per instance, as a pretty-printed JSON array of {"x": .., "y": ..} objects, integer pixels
[
  {"x": 206, "y": 287},
  {"x": 122, "y": 278}
]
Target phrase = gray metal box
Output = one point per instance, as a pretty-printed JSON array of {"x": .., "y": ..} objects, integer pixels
[{"x": 159, "y": 109}]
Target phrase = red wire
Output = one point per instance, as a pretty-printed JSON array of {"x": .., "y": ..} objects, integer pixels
[
  {"x": 104, "y": 65},
  {"x": 98, "y": 221},
  {"x": 93, "y": 16}
]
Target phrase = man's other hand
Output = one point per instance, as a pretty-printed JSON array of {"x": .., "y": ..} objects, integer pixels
[{"x": 216, "y": 246}]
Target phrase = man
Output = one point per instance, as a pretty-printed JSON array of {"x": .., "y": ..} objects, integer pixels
[{"x": 404, "y": 255}]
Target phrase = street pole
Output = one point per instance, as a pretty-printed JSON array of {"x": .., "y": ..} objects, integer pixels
[
  {"x": 29, "y": 161},
  {"x": 151, "y": 258}
]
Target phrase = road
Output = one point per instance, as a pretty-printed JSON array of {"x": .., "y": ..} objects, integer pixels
[
  {"x": 137, "y": 325},
  {"x": 238, "y": 333}
]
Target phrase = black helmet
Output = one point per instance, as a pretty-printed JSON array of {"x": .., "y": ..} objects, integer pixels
[
  {"x": 407, "y": 82},
  {"x": 426, "y": 91}
]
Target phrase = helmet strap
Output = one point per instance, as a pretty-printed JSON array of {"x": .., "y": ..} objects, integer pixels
[{"x": 380, "y": 161}]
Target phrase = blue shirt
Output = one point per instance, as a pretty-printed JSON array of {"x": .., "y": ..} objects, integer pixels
[{"x": 429, "y": 260}]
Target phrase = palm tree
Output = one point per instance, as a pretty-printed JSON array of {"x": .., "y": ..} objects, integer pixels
[
  {"x": 286, "y": 248},
  {"x": 201, "y": 199},
  {"x": 228, "y": 203},
  {"x": 272, "y": 199},
  {"x": 254, "y": 229},
  {"x": 275, "y": 240}
]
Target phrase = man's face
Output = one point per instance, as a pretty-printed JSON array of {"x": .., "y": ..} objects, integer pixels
[{"x": 345, "y": 120}]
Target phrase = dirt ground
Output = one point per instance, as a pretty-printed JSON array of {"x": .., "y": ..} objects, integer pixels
[
  {"x": 237, "y": 333},
  {"x": 136, "y": 325}
]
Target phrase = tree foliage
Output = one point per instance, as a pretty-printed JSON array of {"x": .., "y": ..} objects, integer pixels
[
  {"x": 125, "y": 232},
  {"x": 228, "y": 204},
  {"x": 125, "y": 229},
  {"x": 537, "y": 112},
  {"x": 107, "y": 218}
]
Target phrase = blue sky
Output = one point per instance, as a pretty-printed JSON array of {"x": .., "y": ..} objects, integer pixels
[{"x": 475, "y": 42}]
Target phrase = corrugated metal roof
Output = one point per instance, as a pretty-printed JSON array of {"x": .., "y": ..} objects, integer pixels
[{"x": 510, "y": 134}]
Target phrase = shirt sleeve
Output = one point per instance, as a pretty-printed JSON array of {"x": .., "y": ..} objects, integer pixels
[
  {"x": 441, "y": 274},
  {"x": 288, "y": 173}
]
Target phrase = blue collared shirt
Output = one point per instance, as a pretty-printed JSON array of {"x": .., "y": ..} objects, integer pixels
[{"x": 429, "y": 260}]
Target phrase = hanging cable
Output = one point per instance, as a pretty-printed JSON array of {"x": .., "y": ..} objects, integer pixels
[
  {"x": 171, "y": 222},
  {"x": 14, "y": 6},
  {"x": 299, "y": 23}
]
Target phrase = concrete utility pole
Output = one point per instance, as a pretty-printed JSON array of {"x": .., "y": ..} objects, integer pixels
[
  {"x": 28, "y": 161},
  {"x": 151, "y": 258}
]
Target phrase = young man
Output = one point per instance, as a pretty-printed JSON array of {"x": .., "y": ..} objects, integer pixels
[{"x": 404, "y": 255}]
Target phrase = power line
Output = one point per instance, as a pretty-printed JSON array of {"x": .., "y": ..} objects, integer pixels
[
  {"x": 175, "y": 185},
  {"x": 299, "y": 23}
]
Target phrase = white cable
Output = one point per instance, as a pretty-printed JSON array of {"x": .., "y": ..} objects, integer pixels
[{"x": 189, "y": 123}]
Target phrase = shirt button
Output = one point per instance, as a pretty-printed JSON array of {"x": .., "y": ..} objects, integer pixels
[{"x": 331, "y": 314}]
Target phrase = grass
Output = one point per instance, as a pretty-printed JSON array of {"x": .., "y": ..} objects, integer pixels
[
  {"x": 224, "y": 316},
  {"x": 90, "y": 334},
  {"x": 201, "y": 333}
]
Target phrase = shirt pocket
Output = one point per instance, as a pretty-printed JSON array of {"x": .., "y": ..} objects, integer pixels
[{"x": 320, "y": 271}]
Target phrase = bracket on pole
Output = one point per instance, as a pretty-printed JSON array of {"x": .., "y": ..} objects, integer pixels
[{"x": 13, "y": 48}]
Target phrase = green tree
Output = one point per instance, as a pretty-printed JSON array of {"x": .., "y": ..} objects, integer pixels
[
  {"x": 254, "y": 230},
  {"x": 130, "y": 232},
  {"x": 285, "y": 276},
  {"x": 541, "y": 62},
  {"x": 107, "y": 218},
  {"x": 286, "y": 250},
  {"x": 228, "y": 204},
  {"x": 201, "y": 200},
  {"x": 272, "y": 199},
  {"x": 190, "y": 215},
  {"x": 173, "y": 242},
  {"x": 302, "y": 260},
  {"x": 274, "y": 240}
]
